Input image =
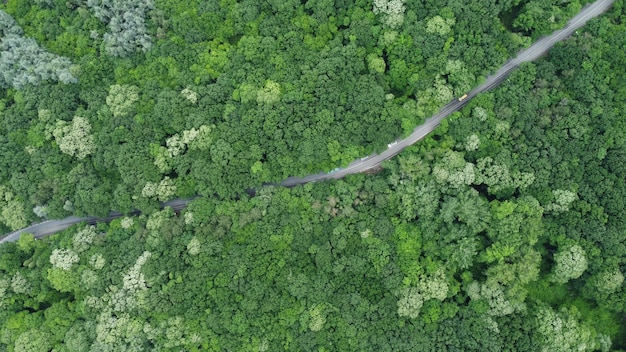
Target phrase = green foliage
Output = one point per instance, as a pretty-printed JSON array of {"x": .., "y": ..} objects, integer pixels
[
  {"x": 24, "y": 62},
  {"x": 306, "y": 86},
  {"x": 561, "y": 331},
  {"x": 121, "y": 98},
  {"x": 75, "y": 139},
  {"x": 570, "y": 263},
  {"x": 501, "y": 231},
  {"x": 126, "y": 21}
]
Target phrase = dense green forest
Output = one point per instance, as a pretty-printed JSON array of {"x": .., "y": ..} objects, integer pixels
[
  {"x": 174, "y": 98},
  {"x": 503, "y": 230}
]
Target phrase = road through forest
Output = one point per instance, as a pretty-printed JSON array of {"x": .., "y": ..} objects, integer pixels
[{"x": 535, "y": 51}]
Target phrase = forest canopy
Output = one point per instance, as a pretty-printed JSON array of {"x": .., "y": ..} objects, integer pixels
[
  {"x": 108, "y": 97},
  {"x": 503, "y": 230}
]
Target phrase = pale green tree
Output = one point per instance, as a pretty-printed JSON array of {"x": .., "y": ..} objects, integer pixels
[
  {"x": 437, "y": 95},
  {"x": 34, "y": 340},
  {"x": 190, "y": 95},
  {"x": 480, "y": 114},
  {"x": 387, "y": 38},
  {"x": 412, "y": 298},
  {"x": 562, "y": 200},
  {"x": 97, "y": 261},
  {"x": 121, "y": 99},
  {"x": 434, "y": 286},
  {"x": 193, "y": 247},
  {"x": 19, "y": 284},
  {"x": 64, "y": 259},
  {"x": 83, "y": 239},
  {"x": 13, "y": 214},
  {"x": 127, "y": 223},
  {"x": 495, "y": 295},
  {"x": 204, "y": 139},
  {"x": 317, "y": 317},
  {"x": 23, "y": 61},
  {"x": 188, "y": 218},
  {"x": 12, "y": 210},
  {"x": 608, "y": 281},
  {"x": 570, "y": 262},
  {"x": 157, "y": 219},
  {"x": 472, "y": 142},
  {"x": 163, "y": 190},
  {"x": 118, "y": 332},
  {"x": 5, "y": 293},
  {"x": 134, "y": 279},
  {"x": 78, "y": 338},
  {"x": 438, "y": 25},
  {"x": 410, "y": 302},
  {"x": 177, "y": 144},
  {"x": 88, "y": 278},
  {"x": 562, "y": 332},
  {"x": 74, "y": 139},
  {"x": 454, "y": 170},
  {"x": 391, "y": 11},
  {"x": 269, "y": 94},
  {"x": 376, "y": 64},
  {"x": 162, "y": 159},
  {"x": 41, "y": 211},
  {"x": 498, "y": 177}
]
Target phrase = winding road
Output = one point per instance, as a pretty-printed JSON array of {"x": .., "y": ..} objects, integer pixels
[{"x": 535, "y": 51}]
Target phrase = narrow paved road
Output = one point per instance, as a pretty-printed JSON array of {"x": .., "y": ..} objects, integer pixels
[{"x": 535, "y": 51}]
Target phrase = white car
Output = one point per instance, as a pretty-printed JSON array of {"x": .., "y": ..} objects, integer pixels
[{"x": 392, "y": 144}]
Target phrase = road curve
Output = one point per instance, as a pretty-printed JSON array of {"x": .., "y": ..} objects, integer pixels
[{"x": 535, "y": 51}]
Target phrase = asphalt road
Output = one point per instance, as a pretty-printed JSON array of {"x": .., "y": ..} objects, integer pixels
[
  {"x": 49, "y": 227},
  {"x": 535, "y": 51}
]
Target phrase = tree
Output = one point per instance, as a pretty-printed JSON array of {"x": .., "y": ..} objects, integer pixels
[
  {"x": 562, "y": 331},
  {"x": 438, "y": 25},
  {"x": 121, "y": 99},
  {"x": 410, "y": 303},
  {"x": 83, "y": 239},
  {"x": 34, "y": 340},
  {"x": 79, "y": 336},
  {"x": 13, "y": 213},
  {"x": 495, "y": 295},
  {"x": 64, "y": 280},
  {"x": 63, "y": 259},
  {"x": 570, "y": 262},
  {"x": 75, "y": 139},
  {"x": 164, "y": 190},
  {"x": 269, "y": 94},
  {"x": 392, "y": 12},
  {"x": 23, "y": 61},
  {"x": 127, "y": 28},
  {"x": 608, "y": 281},
  {"x": 563, "y": 199}
]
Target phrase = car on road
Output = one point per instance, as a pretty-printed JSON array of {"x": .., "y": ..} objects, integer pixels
[
  {"x": 462, "y": 97},
  {"x": 333, "y": 170},
  {"x": 365, "y": 158},
  {"x": 392, "y": 144}
]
